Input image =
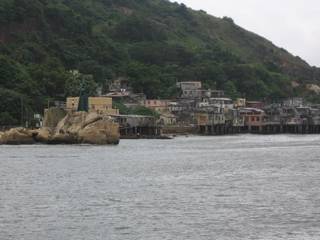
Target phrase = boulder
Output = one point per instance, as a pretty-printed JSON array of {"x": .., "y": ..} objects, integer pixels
[
  {"x": 72, "y": 123},
  {"x": 64, "y": 138},
  {"x": 44, "y": 135},
  {"x": 18, "y": 136},
  {"x": 1, "y": 138},
  {"x": 91, "y": 118},
  {"x": 100, "y": 132}
]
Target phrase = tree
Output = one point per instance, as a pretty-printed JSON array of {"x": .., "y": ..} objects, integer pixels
[
  {"x": 141, "y": 110},
  {"x": 77, "y": 80},
  {"x": 231, "y": 90}
]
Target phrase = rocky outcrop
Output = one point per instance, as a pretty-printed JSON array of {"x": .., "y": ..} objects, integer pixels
[
  {"x": 18, "y": 136},
  {"x": 81, "y": 127},
  {"x": 2, "y": 138},
  {"x": 53, "y": 116},
  {"x": 100, "y": 132},
  {"x": 44, "y": 135},
  {"x": 74, "y": 128}
]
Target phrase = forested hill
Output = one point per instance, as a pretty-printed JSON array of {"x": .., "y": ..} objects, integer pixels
[{"x": 153, "y": 43}]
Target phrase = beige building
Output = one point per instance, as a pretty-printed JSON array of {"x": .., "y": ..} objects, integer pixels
[
  {"x": 72, "y": 103},
  {"x": 209, "y": 119},
  {"x": 254, "y": 118},
  {"x": 101, "y": 105},
  {"x": 160, "y": 106}
]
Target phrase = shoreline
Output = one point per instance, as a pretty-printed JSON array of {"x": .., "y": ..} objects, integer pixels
[{"x": 163, "y": 137}]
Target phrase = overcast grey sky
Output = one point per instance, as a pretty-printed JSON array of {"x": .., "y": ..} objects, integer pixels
[{"x": 291, "y": 24}]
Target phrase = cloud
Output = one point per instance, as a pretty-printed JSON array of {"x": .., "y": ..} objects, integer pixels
[{"x": 291, "y": 24}]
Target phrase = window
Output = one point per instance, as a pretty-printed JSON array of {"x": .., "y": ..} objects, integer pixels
[
  {"x": 252, "y": 119},
  {"x": 258, "y": 119}
]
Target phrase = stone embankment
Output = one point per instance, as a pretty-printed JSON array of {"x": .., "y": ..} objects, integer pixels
[{"x": 71, "y": 128}]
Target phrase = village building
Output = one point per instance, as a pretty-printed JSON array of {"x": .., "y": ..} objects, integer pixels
[
  {"x": 175, "y": 107},
  {"x": 160, "y": 106},
  {"x": 136, "y": 126},
  {"x": 193, "y": 90},
  {"x": 120, "y": 85},
  {"x": 210, "y": 119},
  {"x": 254, "y": 119},
  {"x": 293, "y": 102},
  {"x": 100, "y": 105},
  {"x": 315, "y": 117},
  {"x": 240, "y": 103},
  {"x": 255, "y": 104},
  {"x": 201, "y": 93},
  {"x": 120, "y": 91},
  {"x": 237, "y": 119},
  {"x": 225, "y": 103},
  {"x": 168, "y": 119},
  {"x": 189, "y": 85}
]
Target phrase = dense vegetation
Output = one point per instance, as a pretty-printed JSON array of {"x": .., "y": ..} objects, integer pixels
[{"x": 153, "y": 43}]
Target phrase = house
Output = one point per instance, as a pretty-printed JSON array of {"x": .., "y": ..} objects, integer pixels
[
  {"x": 225, "y": 103},
  {"x": 189, "y": 85},
  {"x": 315, "y": 117},
  {"x": 72, "y": 103},
  {"x": 273, "y": 114},
  {"x": 254, "y": 104},
  {"x": 210, "y": 120},
  {"x": 120, "y": 85},
  {"x": 168, "y": 119},
  {"x": 160, "y": 106},
  {"x": 240, "y": 103},
  {"x": 174, "y": 107},
  {"x": 293, "y": 102},
  {"x": 190, "y": 90},
  {"x": 254, "y": 119},
  {"x": 137, "y": 125},
  {"x": 210, "y": 115},
  {"x": 237, "y": 119},
  {"x": 100, "y": 105}
]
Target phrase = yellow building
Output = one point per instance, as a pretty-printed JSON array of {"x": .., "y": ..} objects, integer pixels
[
  {"x": 72, "y": 103},
  {"x": 101, "y": 105}
]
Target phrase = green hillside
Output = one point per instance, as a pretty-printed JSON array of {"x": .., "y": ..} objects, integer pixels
[{"x": 153, "y": 43}]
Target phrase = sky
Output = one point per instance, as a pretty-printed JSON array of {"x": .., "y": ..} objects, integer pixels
[{"x": 291, "y": 24}]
